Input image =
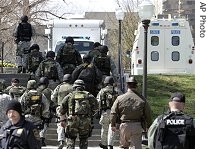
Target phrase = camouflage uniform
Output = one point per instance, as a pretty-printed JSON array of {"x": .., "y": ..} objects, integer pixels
[
  {"x": 79, "y": 117},
  {"x": 106, "y": 98},
  {"x": 131, "y": 108},
  {"x": 38, "y": 113},
  {"x": 68, "y": 56},
  {"x": 95, "y": 51},
  {"x": 57, "y": 97},
  {"x": 23, "y": 41},
  {"x": 53, "y": 82},
  {"x": 4, "y": 100}
]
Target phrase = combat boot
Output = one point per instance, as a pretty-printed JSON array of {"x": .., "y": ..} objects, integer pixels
[
  {"x": 42, "y": 142},
  {"x": 61, "y": 144},
  {"x": 110, "y": 147},
  {"x": 103, "y": 146},
  {"x": 19, "y": 69}
]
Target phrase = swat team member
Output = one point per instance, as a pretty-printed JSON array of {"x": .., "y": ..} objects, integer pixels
[
  {"x": 15, "y": 90},
  {"x": 35, "y": 106},
  {"x": 35, "y": 58},
  {"x": 106, "y": 98},
  {"x": 105, "y": 63},
  {"x": 18, "y": 133},
  {"x": 44, "y": 89},
  {"x": 51, "y": 69},
  {"x": 130, "y": 107},
  {"x": 58, "y": 94},
  {"x": 4, "y": 99},
  {"x": 23, "y": 33},
  {"x": 173, "y": 129},
  {"x": 89, "y": 73},
  {"x": 95, "y": 51},
  {"x": 79, "y": 107},
  {"x": 68, "y": 56}
]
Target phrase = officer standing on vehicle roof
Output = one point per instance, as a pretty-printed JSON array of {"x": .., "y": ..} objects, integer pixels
[{"x": 130, "y": 107}]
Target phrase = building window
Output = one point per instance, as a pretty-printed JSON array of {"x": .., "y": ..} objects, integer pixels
[
  {"x": 154, "y": 56},
  {"x": 175, "y": 56},
  {"x": 154, "y": 40},
  {"x": 175, "y": 40}
]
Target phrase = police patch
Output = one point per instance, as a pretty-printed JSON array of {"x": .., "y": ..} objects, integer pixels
[{"x": 36, "y": 134}]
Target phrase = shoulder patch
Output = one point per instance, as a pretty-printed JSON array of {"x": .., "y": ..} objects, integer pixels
[{"x": 36, "y": 134}]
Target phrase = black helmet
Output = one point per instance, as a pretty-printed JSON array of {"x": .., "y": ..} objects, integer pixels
[
  {"x": 69, "y": 39},
  {"x": 50, "y": 54},
  {"x": 109, "y": 80},
  {"x": 79, "y": 83},
  {"x": 67, "y": 78},
  {"x": 24, "y": 18},
  {"x": 43, "y": 80},
  {"x": 34, "y": 46},
  {"x": 32, "y": 84},
  {"x": 103, "y": 49},
  {"x": 131, "y": 80},
  {"x": 96, "y": 44},
  {"x": 87, "y": 58}
]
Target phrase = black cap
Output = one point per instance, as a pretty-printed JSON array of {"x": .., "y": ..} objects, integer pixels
[
  {"x": 34, "y": 46},
  {"x": 177, "y": 97},
  {"x": 96, "y": 44},
  {"x": 50, "y": 54},
  {"x": 14, "y": 105},
  {"x": 24, "y": 18},
  {"x": 15, "y": 80}
]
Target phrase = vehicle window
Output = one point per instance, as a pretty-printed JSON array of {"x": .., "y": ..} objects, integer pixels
[
  {"x": 175, "y": 56},
  {"x": 154, "y": 56},
  {"x": 175, "y": 40},
  {"x": 154, "y": 40}
]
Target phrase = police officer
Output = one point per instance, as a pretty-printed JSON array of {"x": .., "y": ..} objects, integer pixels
[
  {"x": 89, "y": 73},
  {"x": 51, "y": 69},
  {"x": 18, "y": 133},
  {"x": 23, "y": 33},
  {"x": 4, "y": 99},
  {"x": 106, "y": 98},
  {"x": 68, "y": 56},
  {"x": 44, "y": 89},
  {"x": 130, "y": 107},
  {"x": 15, "y": 90},
  {"x": 59, "y": 93},
  {"x": 105, "y": 63},
  {"x": 173, "y": 129},
  {"x": 35, "y": 106},
  {"x": 79, "y": 107},
  {"x": 35, "y": 58}
]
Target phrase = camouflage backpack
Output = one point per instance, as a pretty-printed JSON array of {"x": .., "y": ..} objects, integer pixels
[
  {"x": 80, "y": 103},
  {"x": 33, "y": 103},
  {"x": 16, "y": 92},
  {"x": 103, "y": 64},
  {"x": 34, "y": 61},
  {"x": 108, "y": 98},
  {"x": 68, "y": 55},
  {"x": 49, "y": 69}
]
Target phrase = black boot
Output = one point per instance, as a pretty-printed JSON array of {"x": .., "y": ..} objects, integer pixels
[
  {"x": 103, "y": 146},
  {"x": 19, "y": 69},
  {"x": 42, "y": 141},
  {"x": 61, "y": 144},
  {"x": 110, "y": 147},
  {"x": 24, "y": 70}
]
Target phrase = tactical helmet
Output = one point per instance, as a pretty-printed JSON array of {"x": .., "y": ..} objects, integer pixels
[
  {"x": 79, "y": 83},
  {"x": 131, "y": 80},
  {"x": 50, "y": 54},
  {"x": 67, "y": 78},
  {"x": 103, "y": 49},
  {"x": 24, "y": 18},
  {"x": 32, "y": 84},
  {"x": 109, "y": 80},
  {"x": 34, "y": 46},
  {"x": 43, "y": 80},
  {"x": 87, "y": 58},
  {"x": 69, "y": 39}
]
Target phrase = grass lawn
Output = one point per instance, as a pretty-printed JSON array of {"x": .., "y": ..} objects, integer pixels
[{"x": 160, "y": 87}]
